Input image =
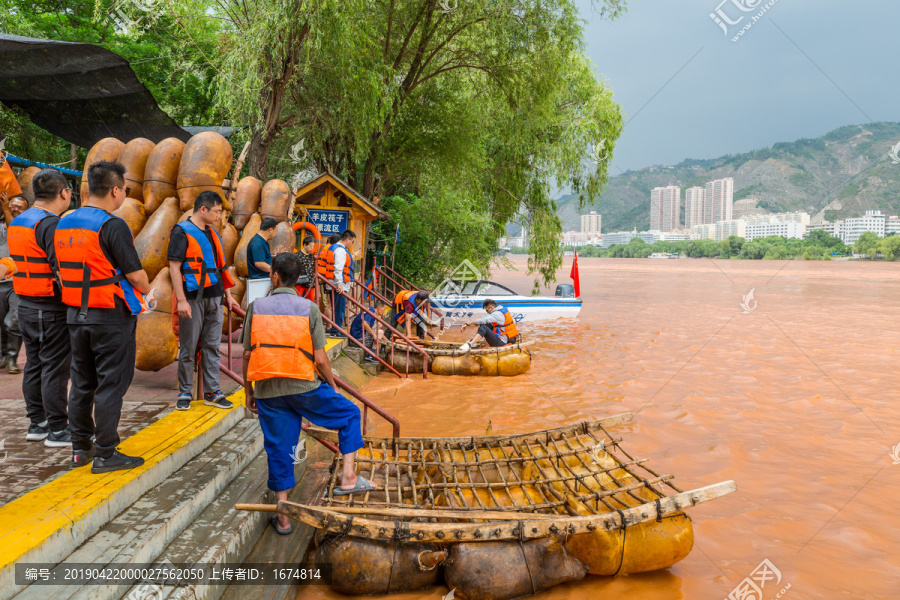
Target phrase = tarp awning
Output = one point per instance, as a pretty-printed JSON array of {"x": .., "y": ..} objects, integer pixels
[{"x": 80, "y": 92}]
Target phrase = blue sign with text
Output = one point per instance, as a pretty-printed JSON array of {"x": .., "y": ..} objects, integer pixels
[{"x": 329, "y": 222}]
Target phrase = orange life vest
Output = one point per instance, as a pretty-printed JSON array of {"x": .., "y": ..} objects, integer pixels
[
  {"x": 34, "y": 277},
  {"x": 509, "y": 326},
  {"x": 201, "y": 262},
  {"x": 280, "y": 339},
  {"x": 88, "y": 278},
  {"x": 326, "y": 263},
  {"x": 400, "y": 304}
]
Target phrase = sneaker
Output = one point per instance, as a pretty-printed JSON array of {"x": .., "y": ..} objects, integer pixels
[
  {"x": 371, "y": 359},
  {"x": 59, "y": 439},
  {"x": 37, "y": 432},
  {"x": 116, "y": 462},
  {"x": 13, "y": 368},
  {"x": 183, "y": 402},
  {"x": 218, "y": 400},
  {"x": 81, "y": 458},
  {"x": 465, "y": 347}
]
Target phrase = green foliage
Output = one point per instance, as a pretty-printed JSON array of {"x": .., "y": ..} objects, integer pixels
[
  {"x": 173, "y": 68},
  {"x": 831, "y": 215},
  {"x": 437, "y": 232},
  {"x": 868, "y": 244},
  {"x": 889, "y": 247}
]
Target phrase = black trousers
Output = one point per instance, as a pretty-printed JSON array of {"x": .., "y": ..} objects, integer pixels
[
  {"x": 493, "y": 340},
  {"x": 102, "y": 370},
  {"x": 48, "y": 354}
]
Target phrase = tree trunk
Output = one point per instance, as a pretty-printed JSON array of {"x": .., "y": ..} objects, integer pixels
[{"x": 258, "y": 155}]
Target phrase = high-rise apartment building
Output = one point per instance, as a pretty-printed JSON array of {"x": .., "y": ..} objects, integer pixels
[
  {"x": 694, "y": 201},
  {"x": 719, "y": 204},
  {"x": 665, "y": 208},
  {"x": 590, "y": 223}
]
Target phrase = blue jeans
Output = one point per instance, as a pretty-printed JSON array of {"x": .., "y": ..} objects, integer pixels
[
  {"x": 281, "y": 419},
  {"x": 340, "y": 309}
]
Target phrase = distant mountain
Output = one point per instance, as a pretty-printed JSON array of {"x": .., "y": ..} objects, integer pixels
[{"x": 846, "y": 172}]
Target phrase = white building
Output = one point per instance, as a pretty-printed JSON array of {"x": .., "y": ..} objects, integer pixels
[
  {"x": 719, "y": 205},
  {"x": 726, "y": 229},
  {"x": 665, "y": 208},
  {"x": 789, "y": 229},
  {"x": 576, "y": 238},
  {"x": 590, "y": 223},
  {"x": 835, "y": 229},
  {"x": 622, "y": 237},
  {"x": 694, "y": 206},
  {"x": 705, "y": 231},
  {"x": 793, "y": 217},
  {"x": 673, "y": 236},
  {"x": 873, "y": 221},
  {"x": 892, "y": 225}
]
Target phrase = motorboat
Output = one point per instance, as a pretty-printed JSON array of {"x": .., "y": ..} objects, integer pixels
[{"x": 463, "y": 300}]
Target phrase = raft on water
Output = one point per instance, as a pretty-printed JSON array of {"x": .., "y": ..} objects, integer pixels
[
  {"x": 445, "y": 358},
  {"x": 499, "y": 517}
]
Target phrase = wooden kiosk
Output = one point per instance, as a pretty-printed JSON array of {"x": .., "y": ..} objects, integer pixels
[{"x": 333, "y": 206}]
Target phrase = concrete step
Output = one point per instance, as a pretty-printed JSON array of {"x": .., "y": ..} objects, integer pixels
[
  {"x": 141, "y": 532},
  {"x": 48, "y": 524},
  {"x": 220, "y": 534}
]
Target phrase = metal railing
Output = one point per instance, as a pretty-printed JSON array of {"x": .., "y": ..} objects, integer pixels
[
  {"x": 392, "y": 283},
  {"x": 358, "y": 303},
  {"x": 340, "y": 383}
]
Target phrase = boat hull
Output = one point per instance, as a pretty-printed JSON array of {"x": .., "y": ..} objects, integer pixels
[{"x": 524, "y": 309}]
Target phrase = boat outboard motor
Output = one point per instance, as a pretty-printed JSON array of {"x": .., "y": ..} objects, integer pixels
[{"x": 565, "y": 290}]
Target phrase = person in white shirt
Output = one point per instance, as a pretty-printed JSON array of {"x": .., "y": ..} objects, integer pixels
[{"x": 343, "y": 275}]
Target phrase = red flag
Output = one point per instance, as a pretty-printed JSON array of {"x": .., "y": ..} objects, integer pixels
[{"x": 574, "y": 275}]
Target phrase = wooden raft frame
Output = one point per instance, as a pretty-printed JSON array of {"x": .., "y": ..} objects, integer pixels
[{"x": 411, "y": 507}]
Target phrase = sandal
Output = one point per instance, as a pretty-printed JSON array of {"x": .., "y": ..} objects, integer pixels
[
  {"x": 288, "y": 531},
  {"x": 362, "y": 485}
]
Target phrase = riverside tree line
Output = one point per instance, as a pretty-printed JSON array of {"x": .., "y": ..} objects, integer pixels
[
  {"x": 818, "y": 245},
  {"x": 456, "y": 117}
]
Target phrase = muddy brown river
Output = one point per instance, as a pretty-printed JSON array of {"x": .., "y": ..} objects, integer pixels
[{"x": 796, "y": 401}]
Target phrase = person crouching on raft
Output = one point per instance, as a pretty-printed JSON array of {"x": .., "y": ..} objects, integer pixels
[
  {"x": 407, "y": 305},
  {"x": 283, "y": 350},
  {"x": 497, "y": 328}
]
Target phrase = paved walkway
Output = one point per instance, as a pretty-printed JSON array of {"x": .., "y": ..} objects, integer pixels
[{"x": 26, "y": 465}]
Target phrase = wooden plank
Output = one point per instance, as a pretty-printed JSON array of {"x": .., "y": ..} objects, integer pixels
[{"x": 526, "y": 528}]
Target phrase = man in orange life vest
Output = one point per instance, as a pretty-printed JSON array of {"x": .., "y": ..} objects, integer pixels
[
  {"x": 104, "y": 285},
  {"x": 201, "y": 282},
  {"x": 42, "y": 314},
  {"x": 284, "y": 346},
  {"x": 497, "y": 328}
]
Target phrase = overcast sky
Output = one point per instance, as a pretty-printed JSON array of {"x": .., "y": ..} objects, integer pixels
[{"x": 733, "y": 97}]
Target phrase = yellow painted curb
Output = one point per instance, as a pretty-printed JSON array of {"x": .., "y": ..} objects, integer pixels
[{"x": 31, "y": 519}]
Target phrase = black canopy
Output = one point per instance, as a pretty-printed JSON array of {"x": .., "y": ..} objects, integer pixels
[{"x": 80, "y": 92}]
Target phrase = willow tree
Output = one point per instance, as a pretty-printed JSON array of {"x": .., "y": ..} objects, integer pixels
[{"x": 491, "y": 104}]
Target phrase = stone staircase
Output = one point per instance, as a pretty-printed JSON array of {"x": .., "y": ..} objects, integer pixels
[{"x": 186, "y": 516}]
